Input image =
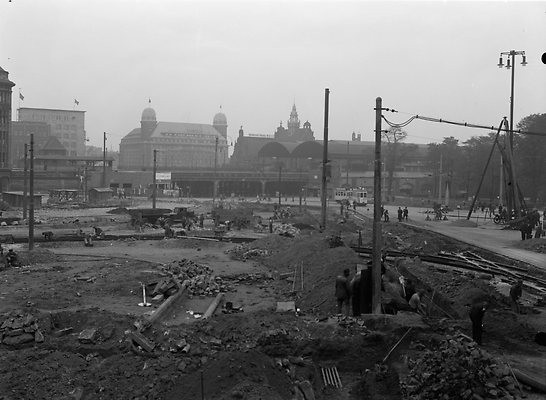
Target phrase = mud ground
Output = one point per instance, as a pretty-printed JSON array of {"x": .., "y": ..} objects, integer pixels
[{"x": 254, "y": 354}]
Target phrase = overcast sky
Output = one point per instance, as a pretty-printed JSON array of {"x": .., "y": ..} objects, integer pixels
[{"x": 255, "y": 58}]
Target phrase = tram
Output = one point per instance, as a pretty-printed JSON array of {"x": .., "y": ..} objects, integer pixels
[{"x": 350, "y": 195}]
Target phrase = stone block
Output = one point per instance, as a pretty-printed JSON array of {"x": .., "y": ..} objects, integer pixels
[
  {"x": 87, "y": 335},
  {"x": 18, "y": 340}
]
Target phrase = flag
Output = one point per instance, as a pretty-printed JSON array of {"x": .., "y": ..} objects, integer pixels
[
  {"x": 76, "y": 102},
  {"x": 21, "y": 96}
]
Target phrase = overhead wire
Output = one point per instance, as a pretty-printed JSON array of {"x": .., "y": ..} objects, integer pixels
[{"x": 465, "y": 124}]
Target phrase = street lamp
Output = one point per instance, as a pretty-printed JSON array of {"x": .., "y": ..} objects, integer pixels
[{"x": 511, "y": 64}]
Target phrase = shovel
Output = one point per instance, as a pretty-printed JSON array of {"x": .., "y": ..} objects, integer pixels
[{"x": 144, "y": 302}]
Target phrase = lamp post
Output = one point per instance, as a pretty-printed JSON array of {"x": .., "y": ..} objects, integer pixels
[{"x": 511, "y": 64}]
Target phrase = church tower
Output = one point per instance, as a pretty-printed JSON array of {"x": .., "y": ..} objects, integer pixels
[
  {"x": 293, "y": 122},
  {"x": 148, "y": 122},
  {"x": 219, "y": 123}
]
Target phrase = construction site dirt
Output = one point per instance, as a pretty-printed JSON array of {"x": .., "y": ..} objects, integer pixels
[{"x": 200, "y": 317}]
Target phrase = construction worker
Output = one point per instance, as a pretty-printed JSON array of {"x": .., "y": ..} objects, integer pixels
[
  {"x": 343, "y": 291},
  {"x": 476, "y": 313},
  {"x": 415, "y": 302},
  {"x": 516, "y": 291}
]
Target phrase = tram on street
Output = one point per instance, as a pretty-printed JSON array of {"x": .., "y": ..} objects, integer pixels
[{"x": 350, "y": 195}]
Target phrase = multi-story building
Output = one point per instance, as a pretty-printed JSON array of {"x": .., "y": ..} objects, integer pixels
[
  {"x": 178, "y": 144},
  {"x": 5, "y": 117},
  {"x": 66, "y": 125},
  {"x": 20, "y": 134}
]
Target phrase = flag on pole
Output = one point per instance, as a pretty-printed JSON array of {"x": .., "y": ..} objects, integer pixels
[
  {"x": 76, "y": 102},
  {"x": 21, "y": 96}
]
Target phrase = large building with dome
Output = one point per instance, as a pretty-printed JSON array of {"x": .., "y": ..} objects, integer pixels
[{"x": 179, "y": 145}]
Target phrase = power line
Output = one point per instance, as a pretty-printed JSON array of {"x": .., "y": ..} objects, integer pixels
[{"x": 465, "y": 124}]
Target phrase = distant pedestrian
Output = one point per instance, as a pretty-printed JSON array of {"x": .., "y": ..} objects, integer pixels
[
  {"x": 516, "y": 290},
  {"x": 354, "y": 205},
  {"x": 406, "y": 212},
  {"x": 400, "y": 214},
  {"x": 343, "y": 291},
  {"x": 476, "y": 313},
  {"x": 201, "y": 220},
  {"x": 386, "y": 216},
  {"x": 270, "y": 225}
]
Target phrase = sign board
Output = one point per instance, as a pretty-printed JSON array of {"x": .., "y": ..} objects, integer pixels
[{"x": 163, "y": 176}]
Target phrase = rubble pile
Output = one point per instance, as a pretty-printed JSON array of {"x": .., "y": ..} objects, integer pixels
[
  {"x": 198, "y": 278},
  {"x": 287, "y": 230},
  {"x": 245, "y": 252},
  {"x": 458, "y": 369},
  {"x": 18, "y": 328}
]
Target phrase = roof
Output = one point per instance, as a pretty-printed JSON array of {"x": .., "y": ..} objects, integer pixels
[
  {"x": 20, "y": 193},
  {"x": 50, "y": 109},
  {"x": 103, "y": 190},
  {"x": 53, "y": 144},
  {"x": 166, "y": 129},
  {"x": 71, "y": 158}
]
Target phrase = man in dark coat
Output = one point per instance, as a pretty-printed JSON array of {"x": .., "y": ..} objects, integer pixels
[
  {"x": 476, "y": 313},
  {"x": 343, "y": 291}
]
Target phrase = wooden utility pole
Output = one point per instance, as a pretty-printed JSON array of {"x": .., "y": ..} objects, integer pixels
[
  {"x": 154, "y": 190},
  {"x": 25, "y": 184},
  {"x": 280, "y": 181},
  {"x": 215, "y": 167},
  {"x": 440, "y": 181},
  {"x": 376, "y": 238},
  {"x": 104, "y": 160},
  {"x": 31, "y": 204},
  {"x": 324, "y": 186}
]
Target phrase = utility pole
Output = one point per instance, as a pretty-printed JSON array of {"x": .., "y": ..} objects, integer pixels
[
  {"x": 512, "y": 191},
  {"x": 215, "y": 166},
  {"x": 440, "y": 181},
  {"x": 154, "y": 190},
  {"x": 104, "y": 160},
  {"x": 85, "y": 184},
  {"x": 347, "y": 166},
  {"x": 324, "y": 186},
  {"x": 31, "y": 204},
  {"x": 25, "y": 183},
  {"x": 376, "y": 238},
  {"x": 280, "y": 181}
]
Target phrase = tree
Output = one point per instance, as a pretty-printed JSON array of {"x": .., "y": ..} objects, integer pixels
[{"x": 530, "y": 158}]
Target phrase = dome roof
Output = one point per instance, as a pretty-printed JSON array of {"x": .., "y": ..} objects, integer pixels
[
  {"x": 148, "y": 114},
  {"x": 219, "y": 119}
]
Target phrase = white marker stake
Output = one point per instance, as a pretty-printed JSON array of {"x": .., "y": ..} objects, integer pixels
[{"x": 144, "y": 303}]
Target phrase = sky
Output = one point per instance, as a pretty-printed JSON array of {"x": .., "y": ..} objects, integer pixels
[{"x": 254, "y": 59}]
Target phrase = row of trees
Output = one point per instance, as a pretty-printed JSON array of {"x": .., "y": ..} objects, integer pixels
[{"x": 463, "y": 163}]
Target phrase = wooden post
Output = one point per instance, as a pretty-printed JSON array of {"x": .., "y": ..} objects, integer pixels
[
  {"x": 25, "y": 184},
  {"x": 324, "y": 186},
  {"x": 376, "y": 238},
  {"x": 31, "y": 204}
]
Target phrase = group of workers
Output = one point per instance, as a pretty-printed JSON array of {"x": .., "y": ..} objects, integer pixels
[{"x": 356, "y": 293}]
